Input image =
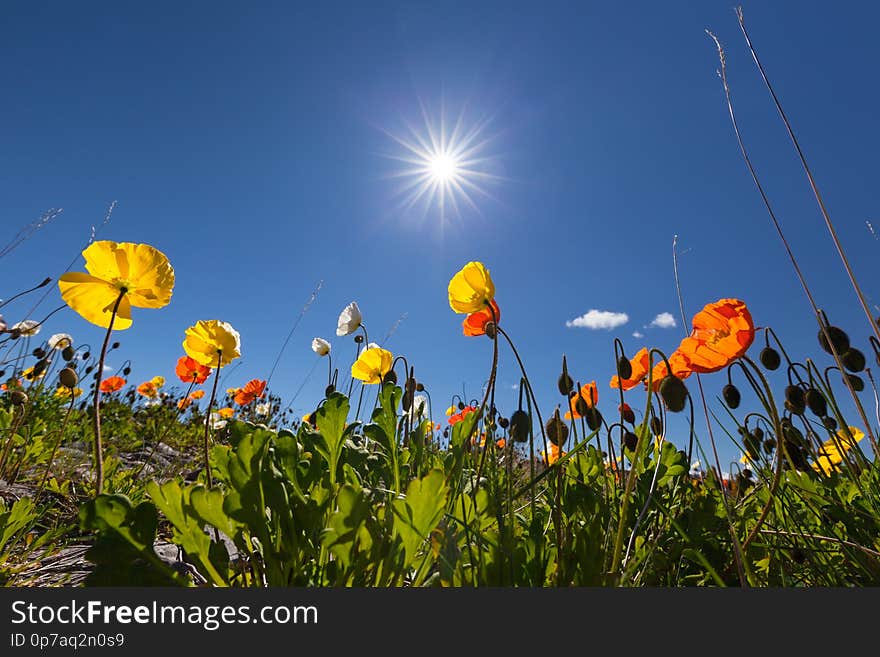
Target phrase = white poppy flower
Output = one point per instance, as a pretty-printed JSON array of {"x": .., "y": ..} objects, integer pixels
[
  {"x": 419, "y": 408},
  {"x": 217, "y": 422},
  {"x": 262, "y": 409},
  {"x": 60, "y": 341},
  {"x": 320, "y": 346},
  {"x": 349, "y": 319},
  {"x": 27, "y": 327}
]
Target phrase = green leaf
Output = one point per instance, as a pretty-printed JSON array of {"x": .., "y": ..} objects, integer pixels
[
  {"x": 331, "y": 419},
  {"x": 346, "y": 527},
  {"x": 418, "y": 514}
]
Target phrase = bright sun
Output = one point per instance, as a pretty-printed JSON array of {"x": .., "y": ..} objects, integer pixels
[{"x": 445, "y": 165}]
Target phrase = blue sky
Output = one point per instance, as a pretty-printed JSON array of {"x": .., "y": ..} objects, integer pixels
[{"x": 250, "y": 143}]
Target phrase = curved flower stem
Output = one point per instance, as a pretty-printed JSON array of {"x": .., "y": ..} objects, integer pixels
[
  {"x": 208, "y": 418},
  {"x": 99, "y": 447},
  {"x": 55, "y": 448},
  {"x": 489, "y": 390}
]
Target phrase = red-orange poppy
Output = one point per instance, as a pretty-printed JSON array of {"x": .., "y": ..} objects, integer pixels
[
  {"x": 148, "y": 389},
  {"x": 589, "y": 393},
  {"x": 252, "y": 390},
  {"x": 639, "y": 364},
  {"x": 184, "y": 403},
  {"x": 197, "y": 394},
  {"x": 722, "y": 332},
  {"x": 189, "y": 370},
  {"x": 458, "y": 417},
  {"x": 112, "y": 384},
  {"x": 475, "y": 323},
  {"x": 500, "y": 443},
  {"x": 555, "y": 454}
]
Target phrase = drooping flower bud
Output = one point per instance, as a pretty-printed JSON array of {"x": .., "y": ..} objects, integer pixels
[
  {"x": 627, "y": 414},
  {"x": 390, "y": 377},
  {"x": 838, "y": 339},
  {"x": 731, "y": 395},
  {"x": 18, "y": 398},
  {"x": 795, "y": 400},
  {"x": 816, "y": 402},
  {"x": 624, "y": 368},
  {"x": 68, "y": 378},
  {"x": 630, "y": 441},
  {"x": 674, "y": 393},
  {"x": 593, "y": 418},
  {"x": 656, "y": 426},
  {"x": 519, "y": 426},
  {"x": 68, "y": 353},
  {"x": 853, "y": 360},
  {"x": 770, "y": 358},
  {"x": 557, "y": 431},
  {"x": 856, "y": 382}
]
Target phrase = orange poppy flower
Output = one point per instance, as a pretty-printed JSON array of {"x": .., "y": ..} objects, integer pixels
[
  {"x": 148, "y": 389},
  {"x": 555, "y": 454},
  {"x": 680, "y": 365},
  {"x": 251, "y": 391},
  {"x": 112, "y": 384},
  {"x": 500, "y": 443},
  {"x": 12, "y": 384},
  {"x": 639, "y": 364},
  {"x": 722, "y": 332},
  {"x": 189, "y": 370},
  {"x": 475, "y": 323},
  {"x": 589, "y": 393},
  {"x": 198, "y": 394},
  {"x": 226, "y": 413},
  {"x": 184, "y": 403},
  {"x": 458, "y": 417}
]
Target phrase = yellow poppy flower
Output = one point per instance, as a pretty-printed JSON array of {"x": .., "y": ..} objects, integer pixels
[
  {"x": 141, "y": 273},
  {"x": 834, "y": 450},
  {"x": 64, "y": 393},
  {"x": 30, "y": 376},
  {"x": 471, "y": 289},
  {"x": 211, "y": 341},
  {"x": 158, "y": 381},
  {"x": 372, "y": 365}
]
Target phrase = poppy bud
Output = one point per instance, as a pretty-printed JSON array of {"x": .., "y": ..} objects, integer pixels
[
  {"x": 557, "y": 431},
  {"x": 2, "y": 373},
  {"x": 770, "y": 358},
  {"x": 627, "y": 414},
  {"x": 580, "y": 406},
  {"x": 624, "y": 368},
  {"x": 630, "y": 441},
  {"x": 519, "y": 426},
  {"x": 461, "y": 406},
  {"x": 839, "y": 340},
  {"x": 68, "y": 378},
  {"x": 420, "y": 387},
  {"x": 68, "y": 353},
  {"x": 490, "y": 330},
  {"x": 329, "y": 390},
  {"x": 731, "y": 395},
  {"x": 126, "y": 371},
  {"x": 358, "y": 338},
  {"x": 390, "y": 377},
  {"x": 87, "y": 355},
  {"x": 656, "y": 426},
  {"x": 816, "y": 402},
  {"x": 503, "y": 422},
  {"x": 89, "y": 369},
  {"x": 794, "y": 399},
  {"x": 593, "y": 418},
  {"x": 830, "y": 423},
  {"x": 115, "y": 345},
  {"x": 410, "y": 385},
  {"x": 856, "y": 382},
  {"x": 769, "y": 445},
  {"x": 406, "y": 401},
  {"x": 565, "y": 384},
  {"x": 674, "y": 393},
  {"x": 40, "y": 367},
  {"x": 853, "y": 360},
  {"x": 18, "y": 398},
  {"x": 39, "y": 353},
  {"x": 793, "y": 435}
]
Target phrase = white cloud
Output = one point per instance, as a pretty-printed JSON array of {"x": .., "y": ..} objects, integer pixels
[
  {"x": 598, "y": 319},
  {"x": 663, "y": 320},
  {"x": 636, "y": 334},
  {"x": 108, "y": 368}
]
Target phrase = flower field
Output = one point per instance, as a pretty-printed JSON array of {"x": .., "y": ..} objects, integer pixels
[{"x": 111, "y": 480}]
